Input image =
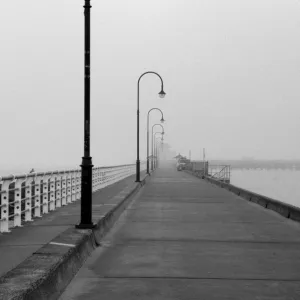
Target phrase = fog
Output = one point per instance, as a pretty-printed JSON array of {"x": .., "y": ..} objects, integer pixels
[{"x": 230, "y": 70}]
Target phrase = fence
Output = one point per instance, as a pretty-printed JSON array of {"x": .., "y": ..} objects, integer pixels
[
  {"x": 29, "y": 196},
  {"x": 219, "y": 172}
]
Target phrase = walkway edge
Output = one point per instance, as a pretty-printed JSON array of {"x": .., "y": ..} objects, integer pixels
[
  {"x": 286, "y": 210},
  {"x": 47, "y": 272}
]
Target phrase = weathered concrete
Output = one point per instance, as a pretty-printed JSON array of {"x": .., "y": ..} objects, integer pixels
[
  {"x": 16, "y": 246},
  {"x": 183, "y": 238},
  {"x": 45, "y": 273}
]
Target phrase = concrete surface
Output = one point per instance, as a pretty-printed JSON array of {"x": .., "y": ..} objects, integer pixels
[
  {"x": 22, "y": 242},
  {"x": 184, "y": 238}
]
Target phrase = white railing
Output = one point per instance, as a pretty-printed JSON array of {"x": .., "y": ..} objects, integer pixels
[{"x": 28, "y": 196}]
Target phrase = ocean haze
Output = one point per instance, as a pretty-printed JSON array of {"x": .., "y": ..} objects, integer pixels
[{"x": 230, "y": 70}]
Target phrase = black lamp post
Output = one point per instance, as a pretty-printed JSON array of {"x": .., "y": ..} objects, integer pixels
[
  {"x": 157, "y": 152},
  {"x": 163, "y": 132},
  {"x": 162, "y": 120},
  {"x": 161, "y": 95},
  {"x": 86, "y": 166},
  {"x": 156, "y": 148}
]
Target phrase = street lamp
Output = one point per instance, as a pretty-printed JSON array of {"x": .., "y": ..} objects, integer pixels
[
  {"x": 86, "y": 166},
  {"x": 155, "y": 147},
  {"x": 163, "y": 132},
  {"x": 161, "y": 95},
  {"x": 162, "y": 120}
]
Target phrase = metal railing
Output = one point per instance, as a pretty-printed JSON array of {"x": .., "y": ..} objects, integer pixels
[
  {"x": 219, "y": 172},
  {"x": 28, "y": 196}
]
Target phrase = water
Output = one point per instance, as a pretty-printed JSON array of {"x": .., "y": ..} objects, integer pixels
[{"x": 282, "y": 185}]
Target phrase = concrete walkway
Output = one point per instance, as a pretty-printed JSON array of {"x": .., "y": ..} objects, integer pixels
[
  {"x": 22, "y": 242},
  {"x": 183, "y": 238}
]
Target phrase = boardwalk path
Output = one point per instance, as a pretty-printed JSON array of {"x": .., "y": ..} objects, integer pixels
[{"x": 183, "y": 238}]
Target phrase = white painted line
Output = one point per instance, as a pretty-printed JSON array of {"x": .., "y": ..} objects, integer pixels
[{"x": 61, "y": 244}]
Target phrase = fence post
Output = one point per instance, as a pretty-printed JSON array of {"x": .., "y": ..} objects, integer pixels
[
  {"x": 58, "y": 182},
  {"x": 64, "y": 189},
  {"x": 73, "y": 187},
  {"x": 78, "y": 184},
  {"x": 52, "y": 192},
  {"x": 18, "y": 203},
  {"x": 69, "y": 186},
  {"x": 37, "y": 196},
  {"x": 4, "y": 222},
  {"x": 45, "y": 197},
  {"x": 28, "y": 199}
]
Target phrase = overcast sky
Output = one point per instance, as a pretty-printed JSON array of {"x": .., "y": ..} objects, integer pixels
[{"x": 231, "y": 70}]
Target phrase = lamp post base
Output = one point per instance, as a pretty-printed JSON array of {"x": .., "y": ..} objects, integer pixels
[
  {"x": 138, "y": 179},
  {"x": 86, "y": 221},
  {"x": 148, "y": 167},
  {"x": 85, "y": 226}
]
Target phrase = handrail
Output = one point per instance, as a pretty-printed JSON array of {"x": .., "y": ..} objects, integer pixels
[
  {"x": 223, "y": 174},
  {"x": 219, "y": 171},
  {"x": 24, "y": 197}
]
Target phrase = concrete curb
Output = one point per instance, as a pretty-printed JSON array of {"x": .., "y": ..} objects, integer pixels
[
  {"x": 46, "y": 273},
  {"x": 286, "y": 210}
]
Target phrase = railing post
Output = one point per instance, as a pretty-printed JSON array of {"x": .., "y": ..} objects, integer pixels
[
  {"x": 58, "y": 181},
  {"x": 45, "y": 194},
  {"x": 64, "y": 190},
  {"x": 18, "y": 203},
  {"x": 4, "y": 222},
  {"x": 28, "y": 200},
  {"x": 69, "y": 187},
  {"x": 37, "y": 196},
  {"x": 73, "y": 188},
  {"x": 102, "y": 178},
  {"x": 78, "y": 185},
  {"x": 52, "y": 192}
]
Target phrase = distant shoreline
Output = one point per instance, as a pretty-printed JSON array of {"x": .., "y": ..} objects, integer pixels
[{"x": 259, "y": 164}]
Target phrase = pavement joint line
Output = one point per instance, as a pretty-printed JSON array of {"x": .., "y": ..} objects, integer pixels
[
  {"x": 188, "y": 202},
  {"x": 201, "y": 222},
  {"x": 141, "y": 240},
  {"x": 200, "y": 278},
  {"x": 62, "y": 244},
  {"x": 51, "y": 225},
  {"x": 20, "y": 245}
]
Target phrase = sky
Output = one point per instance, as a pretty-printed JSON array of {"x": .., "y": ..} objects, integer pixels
[{"x": 230, "y": 71}]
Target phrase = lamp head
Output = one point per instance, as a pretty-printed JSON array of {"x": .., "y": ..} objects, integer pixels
[
  {"x": 162, "y": 94},
  {"x": 162, "y": 120}
]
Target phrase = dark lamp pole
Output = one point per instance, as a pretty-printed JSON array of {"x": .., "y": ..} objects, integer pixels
[
  {"x": 161, "y": 95},
  {"x": 86, "y": 166},
  {"x": 156, "y": 148},
  {"x": 163, "y": 132},
  {"x": 162, "y": 120}
]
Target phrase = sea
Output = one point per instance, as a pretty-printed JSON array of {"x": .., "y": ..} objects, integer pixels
[{"x": 279, "y": 184}]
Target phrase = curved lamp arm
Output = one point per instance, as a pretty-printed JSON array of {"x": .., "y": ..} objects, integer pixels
[
  {"x": 162, "y": 136},
  {"x": 162, "y": 115},
  {"x": 156, "y": 139},
  {"x": 163, "y": 131},
  {"x": 162, "y": 127},
  {"x": 161, "y": 93}
]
